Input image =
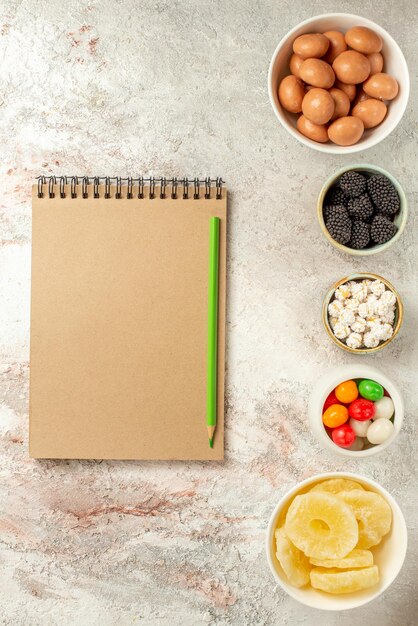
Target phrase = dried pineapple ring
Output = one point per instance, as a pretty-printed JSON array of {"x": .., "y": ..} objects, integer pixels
[
  {"x": 294, "y": 563},
  {"x": 344, "y": 581},
  {"x": 373, "y": 514},
  {"x": 335, "y": 485},
  {"x": 355, "y": 558},
  {"x": 319, "y": 526}
]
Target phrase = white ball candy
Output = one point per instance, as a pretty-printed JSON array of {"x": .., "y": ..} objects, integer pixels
[
  {"x": 343, "y": 292},
  {"x": 377, "y": 287},
  {"x": 389, "y": 298},
  {"x": 360, "y": 428},
  {"x": 380, "y": 431},
  {"x": 354, "y": 340},
  {"x": 384, "y": 408},
  {"x": 370, "y": 340},
  {"x": 341, "y": 330},
  {"x": 347, "y": 317},
  {"x": 357, "y": 445}
]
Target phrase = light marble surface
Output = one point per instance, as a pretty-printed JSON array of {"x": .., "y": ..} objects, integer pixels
[{"x": 119, "y": 87}]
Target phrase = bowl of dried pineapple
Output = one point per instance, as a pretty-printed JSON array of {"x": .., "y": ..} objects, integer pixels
[{"x": 336, "y": 541}]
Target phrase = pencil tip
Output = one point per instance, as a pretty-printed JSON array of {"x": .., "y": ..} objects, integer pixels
[{"x": 211, "y": 442}]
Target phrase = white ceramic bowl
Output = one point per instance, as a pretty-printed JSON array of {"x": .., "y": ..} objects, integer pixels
[
  {"x": 389, "y": 555},
  {"x": 328, "y": 382},
  {"x": 395, "y": 65},
  {"x": 399, "y": 221}
]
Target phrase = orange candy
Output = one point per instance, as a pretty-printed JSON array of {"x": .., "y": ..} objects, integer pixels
[
  {"x": 335, "y": 415},
  {"x": 347, "y": 392}
]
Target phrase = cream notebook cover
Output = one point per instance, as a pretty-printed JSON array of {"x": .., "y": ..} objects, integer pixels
[{"x": 119, "y": 319}]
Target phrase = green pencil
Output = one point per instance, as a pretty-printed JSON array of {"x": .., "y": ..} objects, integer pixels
[{"x": 212, "y": 375}]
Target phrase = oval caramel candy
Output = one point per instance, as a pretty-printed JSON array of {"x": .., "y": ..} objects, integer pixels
[
  {"x": 291, "y": 94},
  {"x": 376, "y": 62},
  {"x": 295, "y": 63},
  {"x": 337, "y": 45},
  {"x": 316, "y": 132},
  {"x": 351, "y": 67},
  {"x": 371, "y": 112},
  {"x": 318, "y": 106},
  {"x": 311, "y": 45},
  {"x": 346, "y": 131},
  {"x": 363, "y": 39},
  {"x": 341, "y": 103},
  {"x": 317, "y": 73},
  {"x": 381, "y": 86}
]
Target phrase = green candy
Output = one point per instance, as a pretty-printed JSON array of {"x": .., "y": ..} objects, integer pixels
[{"x": 371, "y": 390}]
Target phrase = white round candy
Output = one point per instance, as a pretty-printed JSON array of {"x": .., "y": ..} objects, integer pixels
[
  {"x": 380, "y": 430},
  {"x": 335, "y": 307},
  {"x": 389, "y": 317},
  {"x": 359, "y": 325},
  {"x": 384, "y": 408},
  {"x": 360, "y": 428},
  {"x": 352, "y": 304},
  {"x": 333, "y": 321},
  {"x": 387, "y": 331},
  {"x": 377, "y": 287},
  {"x": 388, "y": 297},
  {"x": 343, "y": 292},
  {"x": 370, "y": 340},
  {"x": 358, "y": 444},
  {"x": 341, "y": 330},
  {"x": 354, "y": 340},
  {"x": 347, "y": 317}
]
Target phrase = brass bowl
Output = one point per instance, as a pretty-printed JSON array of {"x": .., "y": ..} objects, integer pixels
[{"x": 357, "y": 277}]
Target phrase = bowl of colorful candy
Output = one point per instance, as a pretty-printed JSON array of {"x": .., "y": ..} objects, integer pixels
[
  {"x": 355, "y": 410},
  {"x": 362, "y": 209},
  {"x": 362, "y": 313},
  {"x": 336, "y": 541}
]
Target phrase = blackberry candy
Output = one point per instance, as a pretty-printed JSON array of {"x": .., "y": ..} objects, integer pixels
[
  {"x": 382, "y": 229},
  {"x": 353, "y": 183},
  {"x": 383, "y": 194},
  {"x": 360, "y": 208},
  {"x": 333, "y": 209},
  {"x": 360, "y": 235},
  {"x": 334, "y": 196},
  {"x": 339, "y": 225}
]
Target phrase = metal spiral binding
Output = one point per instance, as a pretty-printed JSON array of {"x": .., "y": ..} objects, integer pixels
[
  {"x": 63, "y": 182},
  {"x": 84, "y": 187},
  {"x": 129, "y": 192},
  {"x": 196, "y": 184},
  {"x": 96, "y": 184},
  {"x": 52, "y": 181},
  {"x": 74, "y": 183},
  {"x": 219, "y": 182},
  {"x": 185, "y": 188},
  {"x": 163, "y": 188},
  {"x": 118, "y": 194},
  {"x": 174, "y": 188},
  {"x": 107, "y": 187},
  {"x": 140, "y": 187},
  {"x": 150, "y": 184},
  {"x": 207, "y": 188},
  {"x": 152, "y": 187}
]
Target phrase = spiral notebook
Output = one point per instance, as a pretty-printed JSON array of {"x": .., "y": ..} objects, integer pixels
[{"x": 119, "y": 318}]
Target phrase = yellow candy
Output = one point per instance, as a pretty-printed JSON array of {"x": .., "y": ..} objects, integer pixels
[
  {"x": 355, "y": 558},
  {"x": 294, "y": 563},
  {"x": 319, "y": 526},
  {"x": 344, "y": 581}
]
